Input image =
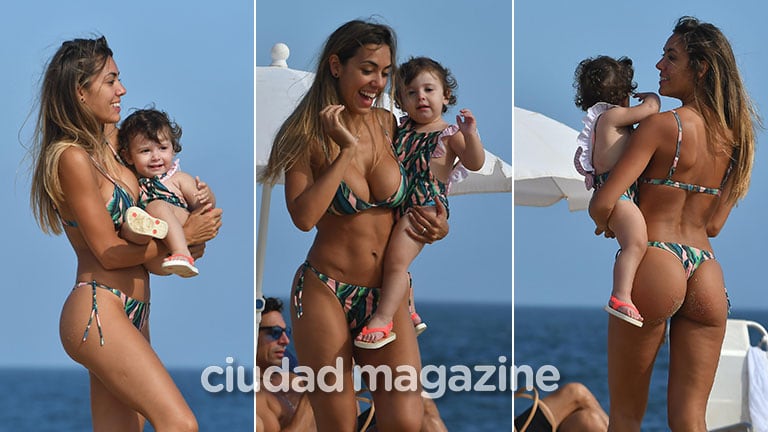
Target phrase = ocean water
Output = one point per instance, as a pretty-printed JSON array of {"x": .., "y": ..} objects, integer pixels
[
  {"x": 45, "y": 400},
  {"x": 460, "y": 336},
  {"x": 574, "y": 341},
  {"x": 475, "y": 336}
]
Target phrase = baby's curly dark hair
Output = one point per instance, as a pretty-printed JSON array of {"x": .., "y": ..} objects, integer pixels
[
  {"x": 603, "y": 79},
  {"x": 409, "y": 70},
  {"x": 148, "y": 123}
]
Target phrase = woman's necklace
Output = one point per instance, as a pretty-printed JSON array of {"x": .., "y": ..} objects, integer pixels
[
  {"x": 117, "y": 156},
  {"x": 108, "y": 134},
  {"x": 356, "y": 134}
]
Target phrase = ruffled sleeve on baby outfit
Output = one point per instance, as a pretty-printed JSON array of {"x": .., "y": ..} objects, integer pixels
[
  {"x": 459, "y": 171},
  {"x": 174, "y": 169},
  {"x": 583, "y": 158}
]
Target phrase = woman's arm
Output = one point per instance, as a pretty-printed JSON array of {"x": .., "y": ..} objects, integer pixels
[
  {"x": 307, "y": 198},
  {"x": 641, "y": 147},
  {"x": 84, "y": 201},
  {"x": 723, "y": 210}
]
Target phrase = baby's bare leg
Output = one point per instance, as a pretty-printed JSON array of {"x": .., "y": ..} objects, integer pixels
[
  {"x": 401, "y": 251},
  {"x": 175, "y": 216},
  {"x": 628, "y": 224}
]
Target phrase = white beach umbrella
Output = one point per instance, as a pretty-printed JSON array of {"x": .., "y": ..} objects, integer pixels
[
  {"x": 543, "y": 155},
  {"x": 494, "y": 176}
]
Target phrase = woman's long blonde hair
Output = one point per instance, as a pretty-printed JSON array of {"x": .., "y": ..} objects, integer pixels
[
  {"x": 64, "y": 122},
  {"x": 721, "y": 97},
  {"x": 301, "y": 134}
]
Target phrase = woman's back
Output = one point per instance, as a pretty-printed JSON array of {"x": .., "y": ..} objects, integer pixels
[{"x": 682, "y": 184}]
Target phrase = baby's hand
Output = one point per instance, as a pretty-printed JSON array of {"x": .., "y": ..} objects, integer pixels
[
  {"x": 650, "y": 98},
  {"x": 466, "y": 121},
  {"x": 203, "y": 192}
]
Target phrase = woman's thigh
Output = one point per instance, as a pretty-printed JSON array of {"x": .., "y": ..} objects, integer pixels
[
  {"x": 127, "y": 376},
  {"x": 696, "y": 337},
  {"x": 658, "y": 291},
  {"x": 400, "y": 407},
  {"x": 324, "y": 344}
]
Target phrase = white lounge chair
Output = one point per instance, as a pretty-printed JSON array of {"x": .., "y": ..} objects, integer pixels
[{"x": 728, "y": 405}]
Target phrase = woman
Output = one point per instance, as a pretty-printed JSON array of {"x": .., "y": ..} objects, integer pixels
[
  {"x": 104, "y": 321},
  {"x": 694, "y": 164},
  {"x": 343, "y": 178}
]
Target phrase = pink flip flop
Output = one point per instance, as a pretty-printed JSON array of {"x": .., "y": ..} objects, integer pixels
[
  {"x": 388, "y": 337},
  {"x": 613, "y": 308},
  {"x": 182, "y": 265},
  {"x": 418, "y": 324}
]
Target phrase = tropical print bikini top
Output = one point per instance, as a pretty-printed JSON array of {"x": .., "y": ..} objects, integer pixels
[
  {"x": 116, "y": 206},
  {"x": 680, "y": 185},
  {"x": 345, "y": 202}
]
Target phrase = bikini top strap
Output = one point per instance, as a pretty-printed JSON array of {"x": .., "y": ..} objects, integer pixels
[
  {"x": 727, "y": 174},
  {"x": 677, "y": 150},
  {"x": 103, "y": 171},
  {"x": 383, "y": 129}
]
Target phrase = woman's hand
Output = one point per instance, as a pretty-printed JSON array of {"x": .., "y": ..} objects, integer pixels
[
  {"x": 600, "y": 215},
  {"x": 197, "y": 250},
  {"x": 203, "y": 225},
  {"x": 335, "y": 128},
  {"x": 426, "y": 226}
]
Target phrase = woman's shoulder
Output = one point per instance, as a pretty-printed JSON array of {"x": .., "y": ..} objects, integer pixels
[
  {"x": 71, "y": 153},
  {"x": 661, "y": 121},
  {"x": 661, "y": 126}
]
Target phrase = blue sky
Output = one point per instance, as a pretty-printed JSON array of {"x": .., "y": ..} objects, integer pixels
[
  {"x": 558, "y": 260},
  {"x": 195, "y": 63},
  {"x": 473, "y": 263}
]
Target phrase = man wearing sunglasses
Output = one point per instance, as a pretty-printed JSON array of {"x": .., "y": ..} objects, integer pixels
[
  {"x": 291, "y": 411},
  {"x": 282, "y": 410}
]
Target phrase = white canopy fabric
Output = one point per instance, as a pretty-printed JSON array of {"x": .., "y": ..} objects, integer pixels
[
  {"x": 543, "y": 159},
  {"x": 278, "y": 90},
  {"x": 494, "y": 176}
]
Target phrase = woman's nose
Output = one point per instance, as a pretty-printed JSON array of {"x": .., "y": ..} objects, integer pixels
[
  {"x": 380, "y": 81},
  {"x": 121, "y": 90}
]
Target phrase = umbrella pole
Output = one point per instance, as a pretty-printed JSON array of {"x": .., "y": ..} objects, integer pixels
[
  {"x": 261, "y": 246},
  {"x": 261, "y": 243}
]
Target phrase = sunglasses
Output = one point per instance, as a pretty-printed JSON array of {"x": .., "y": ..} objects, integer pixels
[{"x": 276, "y": 332}]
